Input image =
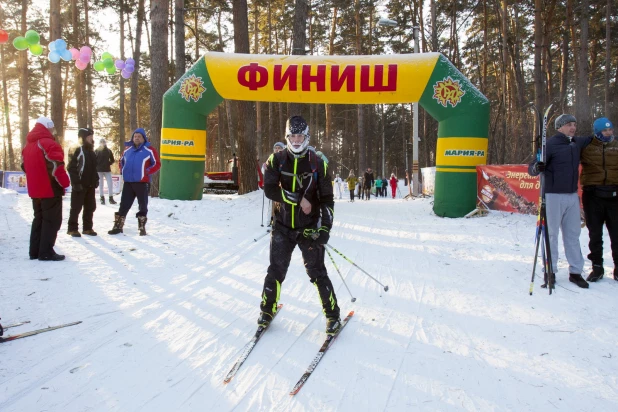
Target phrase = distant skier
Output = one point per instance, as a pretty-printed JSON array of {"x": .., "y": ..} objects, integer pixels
[
  {"x": 561, "y": 198},
  {"x": 352, "y": 183},
  {"x": 338, "y": 185},
  {"x": 299, "y": 182},
  {"x": 368, "y": 182},
  {"x": 105, "y": 159},
  {"x": 378, "y": 185},
  {"x": 393, "y": 183},
  {"x": 384, "y": 186}
]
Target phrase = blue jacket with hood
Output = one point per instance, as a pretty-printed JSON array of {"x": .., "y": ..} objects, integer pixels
[{"x": 138, "y": 163}]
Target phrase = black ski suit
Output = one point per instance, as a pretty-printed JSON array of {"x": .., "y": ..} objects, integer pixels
[
  {"x": 84, "y": 181},
  {"x": 288, "y": 177}
]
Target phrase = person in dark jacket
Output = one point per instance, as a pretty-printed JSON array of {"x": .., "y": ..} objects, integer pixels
[
  {"x": 368, "y": 182},
  {"x": 43, "y": 162},
  {"x": 105, "y": 158},
  {"x": 299, "y": 182},
  {"x": 561, "y": 170},
  {"x": 84, "y": 181},
  {"x": 138, "y": 162},
  {"x": 384, "y": 186},
  {"x": 600, "y": 194}
]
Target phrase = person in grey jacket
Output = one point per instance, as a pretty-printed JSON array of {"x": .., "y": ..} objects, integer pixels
[
  {"x": 105, "y": 158},
  {"x": 561, "y": 170}
]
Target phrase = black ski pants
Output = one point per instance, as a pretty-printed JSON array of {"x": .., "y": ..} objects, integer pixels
[
  {"x": 45, "y": 225},
  {"x": 85, "y": 199},
  {"x": 352, "y": 195},
  {"x": 282, "y": 244},
  {"x": 130, "y": 191},
  {"x": 601, "y": 211}
]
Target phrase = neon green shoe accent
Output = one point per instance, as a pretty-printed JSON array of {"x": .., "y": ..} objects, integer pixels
[{"x": 277, "y": 298}]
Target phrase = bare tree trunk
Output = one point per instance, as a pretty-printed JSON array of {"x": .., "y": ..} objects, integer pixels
[
  {"x": 136, "y": 56},
  {"x": 121, "y": 134},
  {"x": 82, "y": 119},
  {"x": 362, "y": 142},
  {"x": 328, "y": 138},
  {"x": 179, "y": 18},
  {"x": 220, "y": 135},
  {"x": 582, "y": 107},
  {"x": 299, "y": 44},
  {"x": 608, "y": 54},
  {"x": 88, "y": 75},
  {"x": 539, "y": 95},
  {"x": 57, "y": 110},
  {"x": 564, "y": 72},
  {"x": 9, "y": 136},
  {"x": 258, "y": 106},
  {"x": 24, "y": 109},
  {"x": 434, "y": 30},
  {"x": 247, "y": 174},
  {"x": 159, "y": 16}
]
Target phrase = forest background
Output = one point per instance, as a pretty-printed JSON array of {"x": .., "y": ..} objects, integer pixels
[{"x": 515, "y": 52}]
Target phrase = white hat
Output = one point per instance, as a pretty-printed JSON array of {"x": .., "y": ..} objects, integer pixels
[{"x": 45, "y": 122}]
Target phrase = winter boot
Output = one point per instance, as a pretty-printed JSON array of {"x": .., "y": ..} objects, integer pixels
[
  {"x": 578, "y": 280},
  {"x": 141, "y": 225},
  {"x": 333, "y": 326},
  {"x": 74, "y": 233},
  {"x": 118, "y": 224},
  {"x": 102, "y": 200},
  {"x": 264, "y": 319},
  {"x": 89, "y": 232},
  {"x": 616, "y": 273},
  {"x": 596, "y": 274},
  {"x": 112, "y": 201},
  {"x": 553, "y": 281}
]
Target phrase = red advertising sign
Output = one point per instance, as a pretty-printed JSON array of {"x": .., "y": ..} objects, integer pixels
[{"x": 508, "y": 188}]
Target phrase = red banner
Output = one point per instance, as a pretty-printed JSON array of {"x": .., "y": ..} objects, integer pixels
[{"x": 508, "y": 188}]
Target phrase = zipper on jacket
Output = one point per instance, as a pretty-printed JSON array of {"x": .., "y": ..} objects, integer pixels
[
  {"x": 604, "y": 169},
  {"x": 294, "y": 188}
]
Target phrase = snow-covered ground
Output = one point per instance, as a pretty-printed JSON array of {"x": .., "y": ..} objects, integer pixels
[{"x": 165, "y": 316}]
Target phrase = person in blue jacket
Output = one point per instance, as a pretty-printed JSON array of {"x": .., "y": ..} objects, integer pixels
[
  {"x": 561, "y": 199},
  {"x": 138, "y": 162}
]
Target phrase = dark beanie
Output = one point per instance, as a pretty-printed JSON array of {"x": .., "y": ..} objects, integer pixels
[{"x": 85, "y": 131}]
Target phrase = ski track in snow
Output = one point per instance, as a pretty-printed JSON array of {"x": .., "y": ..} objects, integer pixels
[{"x": 166, "y": 316}]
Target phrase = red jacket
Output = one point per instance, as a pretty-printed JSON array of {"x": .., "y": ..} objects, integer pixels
[
  {"x": 43, "y": 162},
  {"x": 393, "y": 181}
]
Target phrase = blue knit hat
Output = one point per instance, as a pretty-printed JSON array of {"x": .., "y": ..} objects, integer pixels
[{"x": 602, "y": 124}]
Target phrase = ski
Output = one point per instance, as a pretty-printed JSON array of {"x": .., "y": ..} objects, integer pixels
[
  {"x": 248, "y": 348},
  {"x": 327, "y": 343},
  {"x": 14, "y": 325},
  {"x": 36, "y": 332}
]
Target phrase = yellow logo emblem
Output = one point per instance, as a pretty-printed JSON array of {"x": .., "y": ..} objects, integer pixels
[
  {"x": 192, "y": 88},
  {"x": 448, "y": 91}
]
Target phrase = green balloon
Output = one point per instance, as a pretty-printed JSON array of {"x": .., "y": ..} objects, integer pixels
[
  {"x": 20, "y": 43},
  {"x": 32, "y": 37},
  {"x": 106, "y": 56},
  {"x": 36, "y": 49},
  {"x": 99, "y": 66},
  {"x": 111, "y": 70},
  {"x": 109, "y": 63}
]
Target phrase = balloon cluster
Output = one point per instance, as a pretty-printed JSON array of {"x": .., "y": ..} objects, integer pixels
[
  {"x": 4, "y": 36},
  {"x": 31, "y": 40},
  {"x": 58, "y": 50},
  {"x": 127, "y": 67},
  {"x": 106, "y": 63},
  {"x": 82, "y": 56}
]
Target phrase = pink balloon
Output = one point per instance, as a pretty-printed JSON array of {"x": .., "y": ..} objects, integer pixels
[
  {"x": 86, "y": 50},
  {"x": 84, "y": 57},
  {"x": 74, "y": 53},
  {"x": 81, "y": 65}
]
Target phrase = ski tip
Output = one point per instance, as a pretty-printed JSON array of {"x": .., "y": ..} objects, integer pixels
[{"x": 351, "y": 313}]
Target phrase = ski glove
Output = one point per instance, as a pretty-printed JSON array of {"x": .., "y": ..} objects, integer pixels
[
  {"x": 317, "y": 237},
  {"x": 290, "y": 197},
  {"x": 540, "y": 167}
]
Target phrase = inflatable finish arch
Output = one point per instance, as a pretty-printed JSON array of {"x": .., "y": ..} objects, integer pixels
[{"x": 429, "y": 79}]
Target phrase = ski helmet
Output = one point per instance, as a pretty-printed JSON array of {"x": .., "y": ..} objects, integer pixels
[{"x": 297, "y": 125}]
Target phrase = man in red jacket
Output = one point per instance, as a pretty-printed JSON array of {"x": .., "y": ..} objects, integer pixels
[{"x": 43, "y": 162}]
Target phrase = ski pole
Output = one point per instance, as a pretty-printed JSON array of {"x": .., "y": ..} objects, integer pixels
[
  {"x": 262, "y": 209},
  {"x": 341, "y": 276},
  {"x": 259, "y": 237},
  {"x": 361, "y": 269}
]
